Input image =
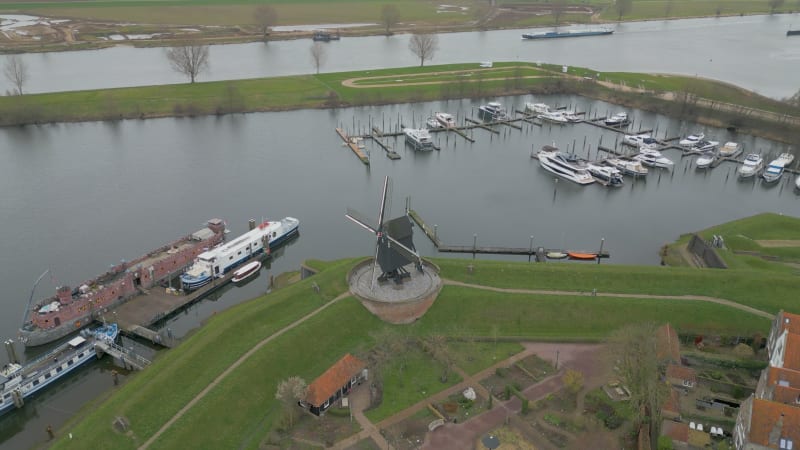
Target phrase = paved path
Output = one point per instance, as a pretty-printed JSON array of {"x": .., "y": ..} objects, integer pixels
[
  {"x": 699, "y": 298},
  {"x": 233, "y": 367}
]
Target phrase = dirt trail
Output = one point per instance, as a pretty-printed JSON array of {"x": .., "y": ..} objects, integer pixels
[{"x": 699, "y": 298}]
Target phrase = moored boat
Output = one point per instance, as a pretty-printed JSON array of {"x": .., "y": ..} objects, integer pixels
[
  {"x": 246, "y": 271},
  {"x": 536, "y": 108},
  {"x": 627, "y": 166},
  {"x": 691, "y": 140},
  {"x": 704, "y": 145},
  {"x": 556, "y": 255},
  {"x": 432, "y": 123},
  {"x": 641, "y": 141},
  {"x": 419, "y": 138},
  {"x": 581, "y": 255},
  {"x": 492, "y": 111},
  {"x": 556, "y": 117},
  {"x": 608, "y": 176},
  {"x": 565, "y": 165},
  {"x": 797, "y": 182},
  {"x": 705, "y": 160},
  {"x": 71, "y": 309},
  {"x": 218, "y": 261},
  {"x": 20, "y": 381},
  {"x": 568, "y": 33},
  {"x": 446, "y": 120},
  {"x": 775, "y": 169},
  {"x": 730, "y": 150},
  {"x": 752, "y": 164},
  {"x": 654, "y": 158},
  {"x": 617, "y": 120}
]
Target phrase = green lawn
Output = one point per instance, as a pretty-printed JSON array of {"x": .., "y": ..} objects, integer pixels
[{"x": 474, "y": 356}]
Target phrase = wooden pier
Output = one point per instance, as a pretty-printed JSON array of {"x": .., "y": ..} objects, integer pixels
[
  {"x": 353, "y": 145},
  {"x": 478, "y": 124},
  {"x": 536, "y": 253},
  {"x": 376, "y": 137}
]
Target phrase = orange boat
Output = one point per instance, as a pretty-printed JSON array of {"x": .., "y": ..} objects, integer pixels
[{"x": 579, "y": 255}]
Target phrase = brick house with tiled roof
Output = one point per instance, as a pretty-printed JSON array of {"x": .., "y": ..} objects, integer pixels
[
  {"x": 681, "y": 376},
  {"x": 334, "y": 384},
  {"x": 677, "y": 431},
  {"x": 671, "y": 409},
  {"x": 770, "y": 419}
]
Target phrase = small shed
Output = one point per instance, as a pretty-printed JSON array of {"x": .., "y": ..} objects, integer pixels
[{"x": 335, "y": 383}]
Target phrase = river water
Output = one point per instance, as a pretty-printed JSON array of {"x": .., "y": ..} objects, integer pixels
[
  {"x": 752, "y": 52},
  {"x": 77, "y": 198}
]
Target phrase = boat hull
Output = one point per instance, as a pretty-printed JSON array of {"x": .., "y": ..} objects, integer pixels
[
  {"x": 246, "y": 272},
  {"x": 555, "y": 34},
  {"x": 582, "y": 256}
]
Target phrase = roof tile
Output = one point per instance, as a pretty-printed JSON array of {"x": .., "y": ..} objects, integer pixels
[
  {"x": 767, "y": 417},
  {"x": 681, "y": 373},
  {"x": 333, "y": 379}
]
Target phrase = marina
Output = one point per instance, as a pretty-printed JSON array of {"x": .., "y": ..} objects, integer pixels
[{"x": 450, "y": 185}]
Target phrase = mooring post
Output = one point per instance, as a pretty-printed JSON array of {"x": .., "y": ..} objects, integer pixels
[
  {"x": 530, "y": 249},
  {"x": 474, "y": 244},
  {"x": 435, "y": 233},
  {"x": 600, "y": 253}
]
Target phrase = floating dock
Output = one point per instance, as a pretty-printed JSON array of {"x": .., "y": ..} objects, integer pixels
[
  {"x": 537, "y": 253},
  {"x": 353, "y": 145}
]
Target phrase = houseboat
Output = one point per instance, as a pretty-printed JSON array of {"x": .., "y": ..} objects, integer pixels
[
  {"x": 71, "y": 309},
  {"x": 492, "y": 111},
  {"x": 419, "y": 139},
  {"x": 215, "y": 263},
  {"x": 18, "y": 381}
]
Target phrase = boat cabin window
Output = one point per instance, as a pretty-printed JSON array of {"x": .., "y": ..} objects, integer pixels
[
  {"x": 59, "y": 368},
  {"x": 69, "y": 363},
  {"x": 47, "y": 375},
  {"x": 35, "y": 382}
]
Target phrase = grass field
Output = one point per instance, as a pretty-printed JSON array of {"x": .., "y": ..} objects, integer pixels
[
  {"x": 246, "y": 396},
  {"x": 326, "y": 90}
]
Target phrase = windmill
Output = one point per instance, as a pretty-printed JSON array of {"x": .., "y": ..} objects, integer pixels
[{"x": 394, "y": 247}]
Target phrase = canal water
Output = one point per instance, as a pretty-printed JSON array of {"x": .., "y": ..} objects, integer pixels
[
  {"x": 78, "y": 198},
  {"x": 753, "y": 52}
]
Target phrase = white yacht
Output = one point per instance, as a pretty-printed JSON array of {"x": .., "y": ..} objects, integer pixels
[
  {"x": 628, "y": 166},
  {"x": 536, "y": 108},
  {"x": 704, "y": 145},
  {"x": 446, "y": 120},
  {"x": 556, "y": 117},
  {"x": 432, "y": 124},
  {"x": 691, "y": 140},
  {"x": 775, "y": 169},
  {"x": 564, "y": 165},
  {"x": 617, "y": 120},
  {"x": 730, "y": 150},
  {"x": 753, "y": 163},
  {"x": 608, "y": 176},
  {"x": 705, "y": 160},
  {"x": 634, "y": 140},
  {"x": 797, "y": 182},
  {"x": 654, "y": 158}
]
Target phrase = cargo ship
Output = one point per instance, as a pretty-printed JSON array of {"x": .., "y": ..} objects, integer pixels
[
  {"x": 568, "y": 33},
  {"x": 72, "y": 309}
]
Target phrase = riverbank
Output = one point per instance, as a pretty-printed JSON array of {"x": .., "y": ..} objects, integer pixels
[
  {"x": 73, "y": 25},
  {"x": 704, "y": 101},
  {"x": 278, "y": 335}
]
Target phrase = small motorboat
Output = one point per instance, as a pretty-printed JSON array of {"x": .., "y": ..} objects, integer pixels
[
  {"x": 581, "y": 255},
  {"x": 653, "y": 158},
  {"x": 691, "y": 140},
  {"x": 445, "y": 120},
  {"x": 797, "y": 182},
  {"x": 536, "y": 108},
  {"x": 628, "y": 166},
  {"x": 432, "y": 124},
  {"x": 246, "y": 271},
  {"x": 753, "y": 163},
  {"x": 617, "y": 120},
  {"x": 703, "y": 146},
  {"x": 705, "y": 160},
  {"x": 608, "y": 176},
  {"x": 556, "y": 117},
  {"x": 775, "y": 169},
  {"x": 730, "y": 150},
  {"x": 634, "y": 140},
  {"x": 556, "y": 255}
]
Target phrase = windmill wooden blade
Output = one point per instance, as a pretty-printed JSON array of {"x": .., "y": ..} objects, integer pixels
[
  {"x": 404, "y": 251},
  {"x": 361, "y": 220},
  {"x": 375, "y": 263},
  {"x": 383, "y": 202}
]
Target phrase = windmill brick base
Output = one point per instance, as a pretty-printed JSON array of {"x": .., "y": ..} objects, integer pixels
[{"x": 395, "y": 302}]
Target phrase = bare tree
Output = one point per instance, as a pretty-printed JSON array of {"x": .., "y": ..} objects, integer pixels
[
  {"x": 390, "y": 16},
  {"x": 424, "y": 45},
  {"x": 633, "y": 349},
  {"x": 559, "y": 8},
  {"x": 289, "y": 392},
  {"x": 774, "y": 4},
  {"x": 16, "y": 71},
  {"x": 189, "y": 60},
  {"x": 317, "y": 55},
  {"x": 623, "y": 7},
  {"x": 266, "y": 17}
]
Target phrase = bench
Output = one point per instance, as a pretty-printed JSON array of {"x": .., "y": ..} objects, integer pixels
[{"x": 435, "y": 424}]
